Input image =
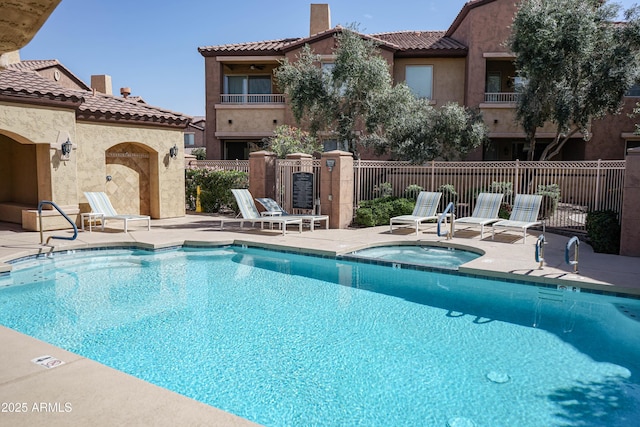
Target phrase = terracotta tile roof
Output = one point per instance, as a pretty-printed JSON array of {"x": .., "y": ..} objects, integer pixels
[
  {"x": 100, "y": 105},
  {"x": 31, "y": 87},
  {"x": 402, "y": 41},
  {"x": 330, "y": 32},
  {"x": 267, "y": 45},
  {"x": 33, "y": 64},
  {"x": 42, "y": 64},
  {"x": 420, "y": 40},
  {"x": 29, "y": 84}
]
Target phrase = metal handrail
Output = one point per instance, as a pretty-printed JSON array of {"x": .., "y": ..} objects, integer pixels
[
  {"x": 540, "y": 250},
  {"x": 73, "y": 224},
  {"x": 443, "y": 215},
  {"x": 567, "y": 256}
]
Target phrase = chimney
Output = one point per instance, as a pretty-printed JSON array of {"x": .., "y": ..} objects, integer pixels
[
  {"x": 102, "y": 83},
  {"x": 125, "y": 91},
  {"x": 320, "y": 18}
]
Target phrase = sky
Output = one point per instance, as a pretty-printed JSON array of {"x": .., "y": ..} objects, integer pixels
[{"x": 151, "y": 46}]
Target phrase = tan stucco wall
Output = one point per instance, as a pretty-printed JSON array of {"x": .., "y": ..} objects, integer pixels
[
  {"x": 149, "y": 182},
  {"x": 47, "y": 128},
  {"x": 165, "y": 188},
  {"x": 448, "y": 77},
  {"x": 250, "y": 118},
  {"x": 485, "y": 29},
  {"x": 505, "y": 115}
]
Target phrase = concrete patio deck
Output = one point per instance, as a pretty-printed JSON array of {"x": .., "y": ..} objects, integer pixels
[{"x": 84, "y": 392}]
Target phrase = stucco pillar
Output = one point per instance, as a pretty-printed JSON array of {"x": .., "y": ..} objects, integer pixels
[
  {"x": 262, "y": 174},
  {"x": 336, "y": 187},
  {"x": 630, "y": 235}
]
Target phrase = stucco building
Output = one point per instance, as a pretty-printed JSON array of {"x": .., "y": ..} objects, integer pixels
[
  {"x": 468, "y": 64},
  {"x": 118, "y": 145}
]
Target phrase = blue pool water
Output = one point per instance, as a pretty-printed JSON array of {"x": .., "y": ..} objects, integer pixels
[
  {"x": 284, "y": 339},
  {"x": 430, "y": 256}
]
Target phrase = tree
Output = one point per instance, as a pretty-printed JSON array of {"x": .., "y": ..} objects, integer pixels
[
  {"x": 358, "y": 94},
  {"x": 577, "y": 65},
  {"x": 200, "y": 153},
  {"x": 336, "y": 100},
  {"x": 421, "y": 132},
  {"x": 287, "y": 139}
]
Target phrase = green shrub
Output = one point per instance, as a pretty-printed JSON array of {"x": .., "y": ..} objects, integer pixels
[
  {"x": 215, "y": 188},
  {"x": 603, "y": 231},
  {"x": 550, "y": 198},
  {"x": 412, "y": 191},
  {"x": 449, "y": 194},
  {"x": 506, "y": 188},
  {"x": 378, "y": 211},
  {"x": 505, "y": 210},
  {"x": 200, "y": 153},
  {"x": 364, "y": 217},
  {"x": 383, "y": 190}
]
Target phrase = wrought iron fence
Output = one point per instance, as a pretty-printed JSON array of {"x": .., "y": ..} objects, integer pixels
[
  {"x": 584, "y": 186},
  {"x": 285, "y": 168}
]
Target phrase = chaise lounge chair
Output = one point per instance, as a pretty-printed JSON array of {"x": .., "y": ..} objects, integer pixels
[
  {"x": 101, "y": 208},
  {"x": 274, "y": 209},
  {"x": 523, "y": 215},
  {"x": 485, "y": 212},
  {"x": 250, "y": 213},
  {"x": 425, "y": 210}
]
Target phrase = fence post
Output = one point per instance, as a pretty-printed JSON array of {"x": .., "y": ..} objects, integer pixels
[
  {"x": 516, "y": 183},
  {"x": 262, "y": 174},
  {"x": 336, "y": 187},
  {"x": 433, "y": 177},
  {"x": 630, "y": 217},
  {"x": 598, "y": 185}
]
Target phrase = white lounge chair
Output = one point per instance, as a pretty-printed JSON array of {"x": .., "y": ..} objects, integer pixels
[
  {"x": 101, "y": 208},
  {"x": 523, "y": 215},
  {"x": 425, "y": 210},
  {"x": 274, "y": 209},
  {"x": 484, "y": 213},
  {"x": 250, "y": 213}
]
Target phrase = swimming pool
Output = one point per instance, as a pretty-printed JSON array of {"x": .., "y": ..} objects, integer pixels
[{"x": 286, "y": 339}]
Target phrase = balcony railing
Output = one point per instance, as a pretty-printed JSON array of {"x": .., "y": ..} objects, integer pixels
[
  {"x": 273, "y": 98},
  {"x": 501, "y": 97}
]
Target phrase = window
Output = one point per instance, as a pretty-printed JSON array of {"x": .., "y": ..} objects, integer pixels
[
  {"x": 419, "y": 78},
  {"x": 332, "y": 144},
  {"x": 494, "y": 82},
  {"x": 634, "y": 91},
  {"x": 327, "y": 69},
  {"x": 246, "y": 86},
  {"x": 189, "y": 139}
]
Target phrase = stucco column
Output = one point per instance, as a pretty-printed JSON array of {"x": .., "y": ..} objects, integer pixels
[
  {"x": 262, "y": 174},
  {"x": 336, "y": 187},
  {"x": 630, "y": 235}
]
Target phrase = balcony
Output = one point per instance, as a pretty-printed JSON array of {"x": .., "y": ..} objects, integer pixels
[
  {"x": 501, "y": 97},
  {"x": 248, "y": 98}
]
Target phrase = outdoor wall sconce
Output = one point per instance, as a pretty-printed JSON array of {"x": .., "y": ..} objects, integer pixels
[
  {"x": 66, "y": 148},
  {"x": 330, "y": 164},
  {"x": 173, "y": 151}
]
